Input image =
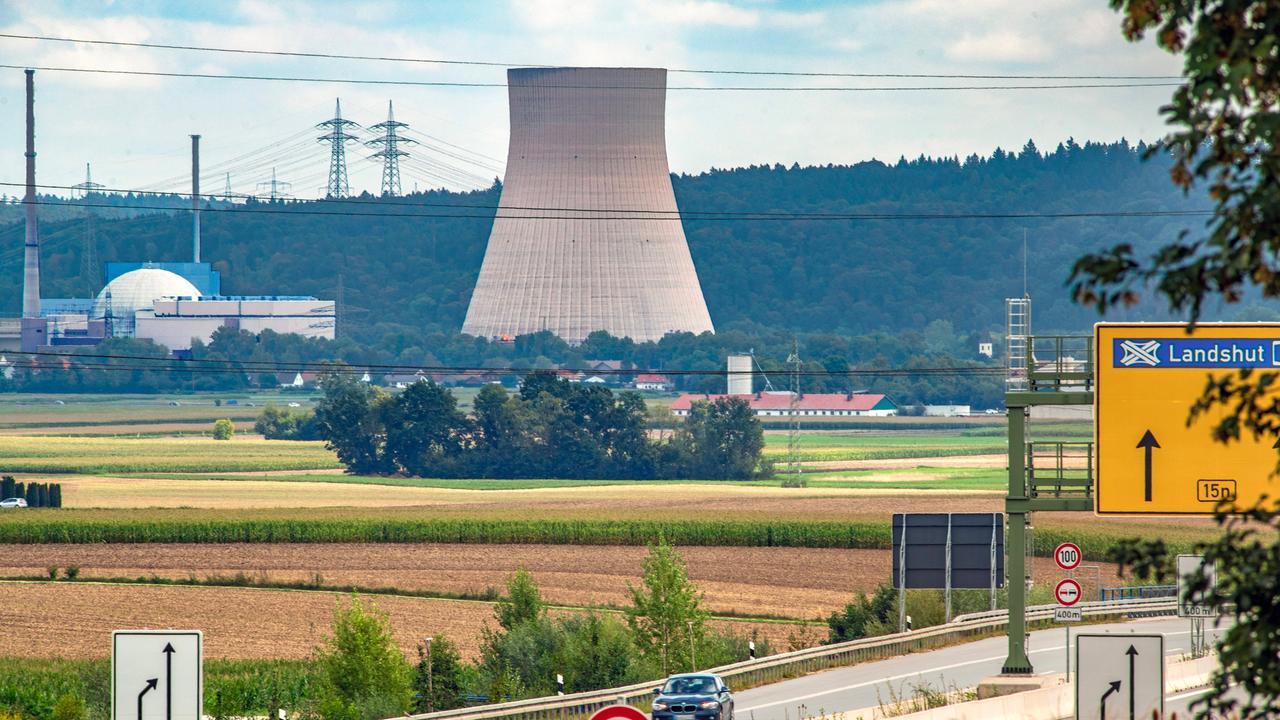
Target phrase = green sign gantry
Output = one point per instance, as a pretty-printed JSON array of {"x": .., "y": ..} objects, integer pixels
[{"x": 1043, "y": 476}]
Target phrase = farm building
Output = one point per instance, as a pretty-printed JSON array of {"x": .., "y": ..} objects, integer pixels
[
  {"x": 809, "y": 404},
  {"x": 651, "y": 381}
]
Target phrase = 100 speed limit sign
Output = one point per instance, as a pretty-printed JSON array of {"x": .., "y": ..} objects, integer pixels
[{"x": 1067, "y": 555}]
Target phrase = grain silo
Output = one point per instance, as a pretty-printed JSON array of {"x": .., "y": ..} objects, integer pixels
[{"x": 588, "y": 236}]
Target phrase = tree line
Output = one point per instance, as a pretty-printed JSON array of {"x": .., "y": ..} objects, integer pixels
[
  {"x": 550, "y": 428},
  {"x": 36, "y": 494}
]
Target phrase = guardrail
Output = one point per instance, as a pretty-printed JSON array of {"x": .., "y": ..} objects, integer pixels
[{"x": 762, "y": 671}]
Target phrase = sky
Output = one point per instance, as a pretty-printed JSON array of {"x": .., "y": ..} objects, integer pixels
[{"x": 134, "y": 130}]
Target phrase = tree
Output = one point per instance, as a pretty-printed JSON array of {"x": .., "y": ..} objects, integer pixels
[
  {"x": 721, "y": 440},
  {"x": 1227, "y": 123},
  {"x": 863, "y": 616},
  {"x": 597, "y": 652},
  {"x": 437, "y": 681},
  {"x": 523, "y": 602},
  {"x": 1225, "y": 139},
  {"x": 666, "y": 618},
  {"x": 223, "y": 429},
  {"x": 363, "y": 676},
  {"x": 349, "y": 418},
  {"x": 425, "y": 430}
]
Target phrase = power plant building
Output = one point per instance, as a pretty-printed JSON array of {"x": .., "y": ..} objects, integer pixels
[
  {"x": 175, "y": 322},
  {"x": 587, "y": 235}
]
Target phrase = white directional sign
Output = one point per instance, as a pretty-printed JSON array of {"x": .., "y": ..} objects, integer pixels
[
  {"x": 1119, "y": 676},
  {"x": 1187, "y": 566},
  {"x": 157, "y": 675},
  {"x": 1067, "y": 592}
]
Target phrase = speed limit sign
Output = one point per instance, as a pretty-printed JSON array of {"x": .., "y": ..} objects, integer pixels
[{"x": 1067, "y": 555}]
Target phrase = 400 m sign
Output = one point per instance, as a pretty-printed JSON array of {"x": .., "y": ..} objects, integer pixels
[{"x": 1150, "y": 461}]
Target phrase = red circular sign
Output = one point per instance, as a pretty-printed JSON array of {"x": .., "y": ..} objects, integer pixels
[
  {"x": 619, "y": 712},
  {"x": 1068, "y": 556},
  {"x": 1067, "y": 592}
]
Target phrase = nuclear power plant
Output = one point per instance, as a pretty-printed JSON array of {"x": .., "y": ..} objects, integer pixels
[
  {"x": 587, "y": 236},
  {"x": 170, "y": 303}
]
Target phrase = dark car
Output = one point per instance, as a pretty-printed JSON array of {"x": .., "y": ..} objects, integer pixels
[{"x": 693, "y": 696}]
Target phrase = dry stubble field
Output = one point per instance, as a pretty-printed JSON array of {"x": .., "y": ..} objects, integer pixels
[{"x": 74, "y": 620}]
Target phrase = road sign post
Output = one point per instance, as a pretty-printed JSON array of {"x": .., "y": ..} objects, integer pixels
[
  {"x": 157, "y": 675},
  {"x": 1150, "y": 461},
  {"x": 1119, "y": 676}
]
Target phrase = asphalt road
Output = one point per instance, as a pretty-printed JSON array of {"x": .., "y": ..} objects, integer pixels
[{"x": 959, "y": 666}]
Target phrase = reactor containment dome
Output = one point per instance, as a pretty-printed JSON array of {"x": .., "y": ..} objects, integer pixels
[
  {"x": 587, "y": 235},
  {"x": 136, "y": 290}
]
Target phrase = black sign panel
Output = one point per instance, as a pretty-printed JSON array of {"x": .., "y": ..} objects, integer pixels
[{"x": 926, "y": 551}]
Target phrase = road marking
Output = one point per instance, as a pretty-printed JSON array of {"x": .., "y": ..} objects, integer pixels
[{"x": 915, "y": 674}]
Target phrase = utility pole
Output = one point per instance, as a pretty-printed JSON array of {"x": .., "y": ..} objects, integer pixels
[
  {"x": 431, "y": 696},
  {"x": 390, "y": 153},
  {"x": 793, "y": 431},
  {"x": 337, "y": 136},
  {"x": 88, "y": 185},
  {"x": 693, "y": 656}
]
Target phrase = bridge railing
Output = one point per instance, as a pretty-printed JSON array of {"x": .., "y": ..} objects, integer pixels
[{"x": 782, "y": 666}]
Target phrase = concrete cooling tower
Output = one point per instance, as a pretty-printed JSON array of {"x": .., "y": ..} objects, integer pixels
[{"x": 588, "y": 235}]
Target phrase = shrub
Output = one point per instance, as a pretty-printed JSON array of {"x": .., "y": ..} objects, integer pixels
[
  {"x": 363, "y": 674},
  {"x": 223, "y": 429},
  {"x": 69, "y": 707},
  {"x": 53, "y": 572},
  {"x": 72, "y": 572}
]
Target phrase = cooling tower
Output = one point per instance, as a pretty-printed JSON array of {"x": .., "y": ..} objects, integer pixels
[{"x": 587, "y": 236}]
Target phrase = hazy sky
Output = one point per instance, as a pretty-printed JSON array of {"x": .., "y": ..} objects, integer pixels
[{"x": 134, "y": 130}]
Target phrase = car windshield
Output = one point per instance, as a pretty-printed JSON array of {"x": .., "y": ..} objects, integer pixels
[{"x": 690, "y": 686}]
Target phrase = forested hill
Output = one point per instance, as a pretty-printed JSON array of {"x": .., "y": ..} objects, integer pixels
[{"x": 407, "y": 265}]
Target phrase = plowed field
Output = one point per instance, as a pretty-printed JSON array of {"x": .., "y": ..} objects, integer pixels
[
  {"x": 789, "y": 582},
  {"x": 75, "y": 620}
]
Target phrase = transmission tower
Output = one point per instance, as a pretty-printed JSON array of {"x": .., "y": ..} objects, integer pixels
[
  {"x": 337, "y": 136},
  {"x": 793, "y": 431},
  {"x": 275, "y": 188},
  {"x": 89, "y": 244},
  {"x": 88, "y": 185},
  {"x": 390, "y": 153}
]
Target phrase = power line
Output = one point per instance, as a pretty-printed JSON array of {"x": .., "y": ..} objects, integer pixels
[
  {"x": 482, "y": 63},
  {"x": 457, "y": 84},
  {"x": 630, "y": 214}
]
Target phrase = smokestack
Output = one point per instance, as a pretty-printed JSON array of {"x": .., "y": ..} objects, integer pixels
[
  {"x": 195, "y": 197},
  {"x": 31, "y": 266}
]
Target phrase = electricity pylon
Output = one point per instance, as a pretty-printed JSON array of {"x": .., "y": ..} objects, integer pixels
[
  {"x": 337, "y": 136},
  {"x": 390, "y": 153}
]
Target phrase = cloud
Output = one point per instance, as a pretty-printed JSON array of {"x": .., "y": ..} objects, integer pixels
[
  {"x": 698, "y": 13},
  {"x": 999, "y": 46}
]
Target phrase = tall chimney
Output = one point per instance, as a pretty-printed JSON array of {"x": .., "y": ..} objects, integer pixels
[
  {"x": 195, "y": 197},
  {"x": 31, "y": 266}
]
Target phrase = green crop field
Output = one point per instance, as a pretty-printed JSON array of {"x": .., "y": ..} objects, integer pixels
[
  {"x": 838, "y": 445},
  {"x": 106, "y": 455},
  {"x": 233, "y": 688},
  {"x": 921, "y": 478}
]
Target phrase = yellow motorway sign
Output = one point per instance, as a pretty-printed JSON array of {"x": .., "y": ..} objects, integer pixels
[{"x": 1149, "y": 461}]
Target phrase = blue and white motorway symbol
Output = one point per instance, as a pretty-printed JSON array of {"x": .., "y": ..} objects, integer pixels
[
  {"x": 157, "y": 675},
  {"x": 1173, "y": 353}
]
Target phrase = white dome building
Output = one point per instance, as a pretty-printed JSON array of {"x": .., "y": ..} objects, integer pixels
[{"x": 138, "y": 290}]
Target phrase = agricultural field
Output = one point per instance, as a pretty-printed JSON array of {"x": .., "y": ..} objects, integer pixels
[
  {"x": 74, "y": 619},
  {"x": 98, "y": 455},
  {"x": 799, "y": 583}
]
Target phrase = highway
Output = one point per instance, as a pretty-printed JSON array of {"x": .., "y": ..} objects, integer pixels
[{"x": 959, "y": 666}]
